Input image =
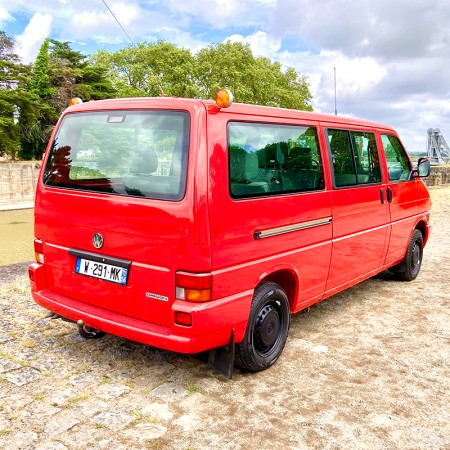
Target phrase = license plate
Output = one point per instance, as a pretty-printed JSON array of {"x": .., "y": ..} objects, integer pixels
[{"x": 103, "y": 271}]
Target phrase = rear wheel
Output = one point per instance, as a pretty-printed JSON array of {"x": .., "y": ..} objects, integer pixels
[
  {"x": 267, "y": 328},
  {"x": 409, "y": 268}
]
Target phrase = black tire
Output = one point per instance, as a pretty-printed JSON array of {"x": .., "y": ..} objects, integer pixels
[
  {"x": 409, "y": 268},
  {"x": 267, "y": 328},
  {"x": 90, "y": 333}
]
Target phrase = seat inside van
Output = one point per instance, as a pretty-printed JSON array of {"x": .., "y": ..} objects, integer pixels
[
  {"x": 244, "y": 173},
  {"x": 300, "y": 171},
  {"x": 142, "y": 175}
]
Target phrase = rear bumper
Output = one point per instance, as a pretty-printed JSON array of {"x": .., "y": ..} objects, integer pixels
[{"x": 212, "y": 322}]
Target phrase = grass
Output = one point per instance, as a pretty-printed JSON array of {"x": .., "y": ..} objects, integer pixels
[
  {"x": 28, "y": 343},
  {"x": 78, "y": 398},
  {"x": 192, "y": 389}
]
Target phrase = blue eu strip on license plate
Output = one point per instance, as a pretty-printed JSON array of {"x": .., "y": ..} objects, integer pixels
[{"x": 107, "y": 272}]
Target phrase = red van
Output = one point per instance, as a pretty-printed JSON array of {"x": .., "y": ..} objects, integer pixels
[{"x": 194, "y": 227}]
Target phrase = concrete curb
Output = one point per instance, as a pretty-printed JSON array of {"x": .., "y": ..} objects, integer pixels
[{"x": 13, "y": 206}]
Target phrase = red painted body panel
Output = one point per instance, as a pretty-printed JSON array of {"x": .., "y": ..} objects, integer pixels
[
  {"x": 235, "y": 252},
  {"x": 209, "y": 232}
]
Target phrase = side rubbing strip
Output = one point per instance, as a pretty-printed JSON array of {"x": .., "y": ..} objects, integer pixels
[{"x": 291, "y": 228}]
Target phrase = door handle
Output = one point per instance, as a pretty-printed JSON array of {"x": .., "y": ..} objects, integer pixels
[
  {"x": 389, "y": 194},
  {"x": 382, "y": 196}
]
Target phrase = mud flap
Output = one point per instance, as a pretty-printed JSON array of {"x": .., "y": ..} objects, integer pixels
[{"x": 222, "y": 358}]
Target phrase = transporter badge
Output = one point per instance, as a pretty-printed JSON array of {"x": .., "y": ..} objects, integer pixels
[{"x": 97, "y": 240}]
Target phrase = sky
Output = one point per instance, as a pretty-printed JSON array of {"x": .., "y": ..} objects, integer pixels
[{"x": 391, "y": 57}]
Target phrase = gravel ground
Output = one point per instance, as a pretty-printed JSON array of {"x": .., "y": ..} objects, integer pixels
[
  {"x": 366, "y": 369},
  {"x": 13, "y": 271}
]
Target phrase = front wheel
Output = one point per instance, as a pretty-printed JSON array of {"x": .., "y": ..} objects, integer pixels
[
  {"x": 267, "y": 328},
  {"x": 410, "y": 266}
]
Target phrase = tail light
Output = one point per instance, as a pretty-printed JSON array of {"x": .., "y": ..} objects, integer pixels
[
  {"x": 39, "y": 251},
  {"x": 183, "y": 318},
  {"x": 193, "y": 287}
]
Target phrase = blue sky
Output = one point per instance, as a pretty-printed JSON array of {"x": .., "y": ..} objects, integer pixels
[{"x": 392, "y": 58}]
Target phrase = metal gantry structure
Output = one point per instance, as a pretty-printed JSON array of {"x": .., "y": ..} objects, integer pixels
[{"x": 438, "y": 151}]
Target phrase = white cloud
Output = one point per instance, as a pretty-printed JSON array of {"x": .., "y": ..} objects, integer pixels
[
  {"x": 222, "y": 14},
  {"x": 391, "y": 59},
  {"x": 4, "y": 16},
  {"x": 180, "y": 38},
  {"x": 215, "y": 12},
  {"x": 102, "y": 25},
  {"x": 28, "y": 43},
  {"x": 260, "y": 42}
]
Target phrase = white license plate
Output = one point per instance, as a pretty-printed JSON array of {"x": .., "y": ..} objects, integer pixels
[{"x": 103, "y": 271}]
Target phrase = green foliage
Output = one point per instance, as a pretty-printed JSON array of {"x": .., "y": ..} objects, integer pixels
[
  {"x": 140, "y": 71},
  {"x": 13, "y": 96},
  {"x": 252, "y": 80},
  {"x": 40, "y": 83},
  {"x": 60, "y": 73},
  {"x": 73, "y": 75},
  {"x": 38, "y": 96}
]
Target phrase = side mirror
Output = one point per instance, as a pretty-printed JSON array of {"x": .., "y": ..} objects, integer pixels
[{"x": 423, "y": 168}]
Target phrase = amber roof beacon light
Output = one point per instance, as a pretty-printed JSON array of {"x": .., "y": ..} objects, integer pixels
[
  {"x": 224, "y": 98},
  {"x": 75, "y": 101}
]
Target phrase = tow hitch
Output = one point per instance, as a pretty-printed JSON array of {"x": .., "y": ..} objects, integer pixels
[
  {"x": 85, "y": 331},
  {"x": 88, "y": 332}
]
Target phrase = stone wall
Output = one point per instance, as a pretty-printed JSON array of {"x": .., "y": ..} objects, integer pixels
[
  {"x": 18, "y": 182},
  {"x": 439, "y": 175}
]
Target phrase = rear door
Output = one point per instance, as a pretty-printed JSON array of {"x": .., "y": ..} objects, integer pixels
[
  {"x": 114, "y": 211},
  {"x": 360, "y": 209}
]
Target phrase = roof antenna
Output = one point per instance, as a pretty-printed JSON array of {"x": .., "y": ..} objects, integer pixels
[{"x": 335, "y": 102}]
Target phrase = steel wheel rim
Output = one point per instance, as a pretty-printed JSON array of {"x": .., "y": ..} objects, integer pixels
[
  {"x": 416, "y": 257},
  {"x": 267, "y": 329}
]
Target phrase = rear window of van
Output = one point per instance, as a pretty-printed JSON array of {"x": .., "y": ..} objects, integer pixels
[{"x": 130, "y": 153}]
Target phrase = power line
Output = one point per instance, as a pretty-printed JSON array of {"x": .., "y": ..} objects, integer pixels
[{"x": 120, "y": 25}]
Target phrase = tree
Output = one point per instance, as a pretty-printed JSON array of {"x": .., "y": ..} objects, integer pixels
[
  {"x": 40, "y": 82},
  {"x": 59, "y": 74},
  {"x": 42, "y": 116},
  {"x": 252, "y": 80},
  {"x": 18, "y": 107},
  {"x": 139, "y": 71},
  {"x": 73, "y": 75},
  {"x": 9, "y": 73}
]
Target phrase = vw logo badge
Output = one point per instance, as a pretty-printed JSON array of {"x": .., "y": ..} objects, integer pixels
[{"x": 97, "y": 240}]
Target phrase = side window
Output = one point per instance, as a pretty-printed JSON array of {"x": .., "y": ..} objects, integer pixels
[
  {"x": 366, "y": 157},
  {"x": 341, "y": 153},
  {"x": 399, "y": 166},
  {"x": 355, "y": 157},
  {"x": 270, "y": 159}
]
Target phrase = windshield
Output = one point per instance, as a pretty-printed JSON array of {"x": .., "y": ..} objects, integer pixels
[{"x": 132, "y": 153}]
